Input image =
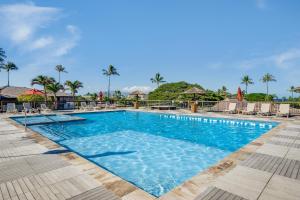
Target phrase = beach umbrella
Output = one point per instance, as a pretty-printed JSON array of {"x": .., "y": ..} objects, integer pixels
[
  {"x": 137, "y": 93},
  {"x": 101, "y": 96},
  {"x": 34, "y": 91},
  {"x": 194, "y": 91},
  {"x": 239, "y": 96}
]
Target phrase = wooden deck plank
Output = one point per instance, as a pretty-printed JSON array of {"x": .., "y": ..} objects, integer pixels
[
  {"x": 214, "y": 193},
  {"x": 99, "y": 193}
]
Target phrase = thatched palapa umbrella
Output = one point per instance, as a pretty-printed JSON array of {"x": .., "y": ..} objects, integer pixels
[
  {"x": 194, "y": 91},
  {"x": 297, "y": 89},
  {"x": 136, "y": 93}
]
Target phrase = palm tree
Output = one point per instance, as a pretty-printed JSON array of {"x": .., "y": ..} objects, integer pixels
[
  {"x": 247, "y": 81},
  {"x": 9, "y": 66},
  {"x": 266, "y": 79},
  {"x": 43, "y": 81},
  {"x": 158, "y": 79},
  {"x": 292, "y": 90},
  {"x": 54, "y": 88},
  {"x": 60, "y": 70},
  {"x": 2, "y": 56},
  {"x": 224, "y": 90},
  {"x": 117, "y": 94},
  {"x": 74, "y": 86},
  {"x": 110, "y": 71}
]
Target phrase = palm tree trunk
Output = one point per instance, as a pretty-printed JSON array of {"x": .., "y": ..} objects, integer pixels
[
  {"x": 45, "y": 93},
  {"x": 267, "y": 90},
  {"x": 59, "y": 77},
  {"x": 8, "y": 78},
  {"x": 108, "y": 91},
  {"x": 246, "y": 88}
]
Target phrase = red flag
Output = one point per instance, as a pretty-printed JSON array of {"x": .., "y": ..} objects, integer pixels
[{"x": 239, "y": 96}]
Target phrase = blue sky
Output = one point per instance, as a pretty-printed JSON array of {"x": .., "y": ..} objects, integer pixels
[{"x": 212, "y": 42}]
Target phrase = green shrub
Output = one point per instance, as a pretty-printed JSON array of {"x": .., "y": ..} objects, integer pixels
[
  {"x": 30, "y": 98},
  {"x": 258, "y": 97}
]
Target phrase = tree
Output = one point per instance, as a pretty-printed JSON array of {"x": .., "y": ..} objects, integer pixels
[
  {"x": 43, "y": 81},
  {"x": 266, "y": 79},
  {"x": 9, "y": 66},
  {"x": 158, "y": 79},
  {"x": 60, "y": 70},
  {"x": 2, "y": 56},
  {"x": 54, "y": 88},
  {"x": 117, "y": 94},
  {"x": 110, "y": 71},
  {"x": 74, "y": 86},
  {"x": 292, "y": 90},
  {"x": 247, "y": 81},
  {"x": 224, "y": 90}
]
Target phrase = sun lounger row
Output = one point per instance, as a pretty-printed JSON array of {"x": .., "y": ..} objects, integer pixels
[
  {"x": 93, "y": 106},
  {"x": 11, "y": 108},
  {"x": 265, "y": 109}
]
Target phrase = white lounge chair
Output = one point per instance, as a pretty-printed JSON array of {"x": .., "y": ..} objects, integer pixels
[
  {"x": 93, "y": 106},
  {"x": 231, "y": 108},
  {"x": 284, "y": 110},
  {"x": 84, "y": 106},
  {"x": 250, "y": 109},
  {"x": 11, "y": 108},
  {"x": 265, "y": 109},
  {"x": 28, "y": 109},
  {"x": 44, "y": 108}
]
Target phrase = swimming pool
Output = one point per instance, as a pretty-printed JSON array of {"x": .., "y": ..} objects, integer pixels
[{"x": 155, "y": 152}]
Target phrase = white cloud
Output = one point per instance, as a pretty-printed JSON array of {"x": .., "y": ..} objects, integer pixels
[
  {"x": 288, "y": 58},
  {"x": 19, "y": 22},
  {"x": 145, "y": 89},
  {"x": 24, "y": 26},
  {"x": 67, "y": 44},
  {"x": 41, "y": 42}
]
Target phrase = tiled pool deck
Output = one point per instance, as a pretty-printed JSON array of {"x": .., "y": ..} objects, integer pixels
[{"x": 33, "y": 167}]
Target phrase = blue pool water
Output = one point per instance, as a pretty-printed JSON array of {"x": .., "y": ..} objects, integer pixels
[{"x": 156, "y": 152}]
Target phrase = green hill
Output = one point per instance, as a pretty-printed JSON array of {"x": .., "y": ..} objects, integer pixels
[{"x": 173, "y": 91}]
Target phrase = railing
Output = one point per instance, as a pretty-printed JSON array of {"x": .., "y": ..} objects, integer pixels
[{"x": 208, "y": 106}]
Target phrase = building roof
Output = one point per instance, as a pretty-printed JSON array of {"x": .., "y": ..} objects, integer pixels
[{"x": 14, "y": 92}]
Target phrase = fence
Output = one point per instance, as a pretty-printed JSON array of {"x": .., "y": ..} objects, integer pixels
[{"x": 208, "y": 106}]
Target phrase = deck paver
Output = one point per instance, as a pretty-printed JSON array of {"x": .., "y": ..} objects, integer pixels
[
  {"x": 272, "y": 149},
  {"x": 244, "y": 181},
  {"x": 281, "y": 188}
]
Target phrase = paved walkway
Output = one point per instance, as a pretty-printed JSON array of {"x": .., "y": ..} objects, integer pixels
[
  {"x": 30, "y": 171},
  {"x": 272, "y": 172}
]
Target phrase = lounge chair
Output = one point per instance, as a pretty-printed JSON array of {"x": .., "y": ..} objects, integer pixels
[
  {"x": 11, "y": 108},
  {"x": 110, "y": 106},
  {"x": 84, "y": 106},
  {"x": 265, "y": 109},
  {"x": 93, "y": 106},
  {"x": 284, "y": 110},
  {"x": 44, "y": 108},
  {"x": 250, "y": 109},
  {"x": 231, "y": 108},
  {"x": 28, "y": 109}
]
